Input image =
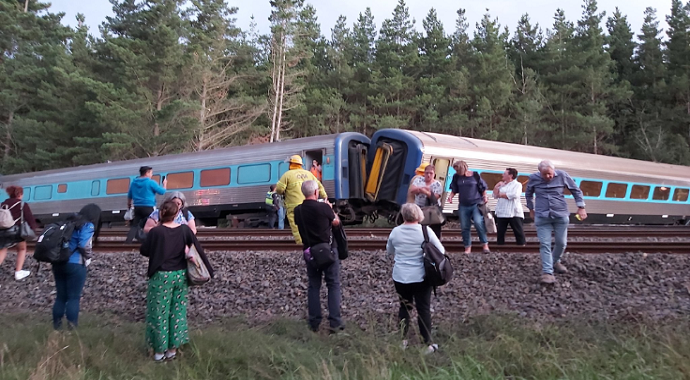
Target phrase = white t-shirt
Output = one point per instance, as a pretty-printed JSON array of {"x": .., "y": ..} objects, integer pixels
[
  {"x": 511, "y": 207},
  {"x": 405, "y": 244}
]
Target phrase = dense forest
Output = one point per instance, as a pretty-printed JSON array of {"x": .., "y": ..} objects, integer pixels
[{"x": 167, "y": 76}]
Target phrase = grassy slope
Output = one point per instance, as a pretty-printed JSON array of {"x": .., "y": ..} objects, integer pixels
[{"x": 485, "y": 348}]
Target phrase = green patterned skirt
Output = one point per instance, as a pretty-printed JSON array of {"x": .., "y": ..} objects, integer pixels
[{"x": 166, "y": 310}]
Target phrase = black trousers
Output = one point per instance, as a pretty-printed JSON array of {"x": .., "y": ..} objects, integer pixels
[
  {"x": 419, "y": 294},
  {"x": 141, "y": 213},
  {"x": 502, "y": 227}
]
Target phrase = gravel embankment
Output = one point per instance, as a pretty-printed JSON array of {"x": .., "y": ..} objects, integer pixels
[{"x": 262, "y": 285}]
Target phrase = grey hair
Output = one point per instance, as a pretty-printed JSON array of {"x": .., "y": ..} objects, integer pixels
[
  {"x": 545, "y": 164},
  {"x": 170, "y": 195},
  {"x": 309, "y": 187},
  {"x": 411, "y": 213}
]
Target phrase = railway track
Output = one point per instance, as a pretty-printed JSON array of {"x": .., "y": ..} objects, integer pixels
[{"x": 593, "y": 232}]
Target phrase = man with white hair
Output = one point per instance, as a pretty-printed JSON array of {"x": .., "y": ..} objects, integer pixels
[
  {"x": 550, "y": 214},
  {"x": 314, "y": 220}
]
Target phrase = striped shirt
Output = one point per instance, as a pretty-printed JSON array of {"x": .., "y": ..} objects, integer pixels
[{"x": 510, "y": 207}]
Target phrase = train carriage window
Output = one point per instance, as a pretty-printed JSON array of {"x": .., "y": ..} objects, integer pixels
[
  {"x": 157, "y": 178},
  {"x": 590, "y": 188},
  {"x": 62, "y": 188},
  {"x": 43, "y": 192},
  {"x": 523, "y": 179},
  {"x": 616, "y": 190},
  {"x": 283, "y": 167},
  {"x": 95, "y": 188},
  {"x": 254, "y": 173},
  {"x": 27, "y": 194},
  {"x": 661, "y": 193},
  {"x": 491, "y": 179},
  {"x": 184, "y": 180},
  {"x": 117, "y": 186},
  {"x": 679, "y": 195},
  {"x": 639, "y": 192},
  {"x": 215, "y": 177}
]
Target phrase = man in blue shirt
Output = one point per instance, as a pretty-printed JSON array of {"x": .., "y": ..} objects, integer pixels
[
  {"x": 142, "y": 195},
  {"x": 551, "y": 215}
]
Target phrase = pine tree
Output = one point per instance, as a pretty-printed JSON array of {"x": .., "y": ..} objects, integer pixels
[
  {"x": 678, "y": 58},
  {"x": 491, "y": 79},
  {"x": 213, "y": 49},
  {"x": 361, "y": 89},
  {"x": 621, "y": 46},
  {"x": 396, "y": 70}
]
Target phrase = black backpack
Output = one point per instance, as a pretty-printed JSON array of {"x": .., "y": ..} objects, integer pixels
[
  {"x": 438, "y": 270},
  {"x": 53, "y": 244}
]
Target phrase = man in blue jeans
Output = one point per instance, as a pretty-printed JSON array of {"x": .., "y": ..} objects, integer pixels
[{"x": 550, "y": 214}]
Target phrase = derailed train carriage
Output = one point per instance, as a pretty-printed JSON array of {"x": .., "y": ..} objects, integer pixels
[
  {"x": 218, "y": 184},
  {"x": 616, "y": 190},
  {"x": 366, "y": 179}
]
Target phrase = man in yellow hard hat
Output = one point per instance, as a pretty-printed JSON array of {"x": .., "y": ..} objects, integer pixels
[{"x": 290, "y": 185}]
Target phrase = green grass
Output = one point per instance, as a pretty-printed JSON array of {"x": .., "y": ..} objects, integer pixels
[{"x": 106, "y": 347}]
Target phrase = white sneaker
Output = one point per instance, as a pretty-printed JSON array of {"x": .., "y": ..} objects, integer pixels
[
  {"x": 431, "y": 349},
  {"x": 21, "y": 274}
]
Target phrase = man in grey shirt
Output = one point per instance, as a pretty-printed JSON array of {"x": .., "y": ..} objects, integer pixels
[{"x": 551, "y": 215}]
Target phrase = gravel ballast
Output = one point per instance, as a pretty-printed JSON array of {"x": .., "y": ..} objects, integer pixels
[{"x": 264, "y": 285}]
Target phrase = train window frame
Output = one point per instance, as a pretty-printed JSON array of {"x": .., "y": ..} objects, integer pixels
[
  {"x": 97, "y": 186},
  {"x": 62, "y": 188},
  {"x": 27, "y": 194},
  {"x": 186, "y": 183},
  {"x": 677, "y": 191},
  {"x": 217, "y": 183},
  {"x": 637, "y": 187},
  {"x": 157, "y": 178},
  {"x": 39, "y": 193},
  {"x": 116, "y": 183},
  {"x": 661, "y": 189},
  {"x": 594, "y": 183},
  {"x": 491, "y": 182},
  {"x": 253, "y": 168},
  {"x": 617, "y": 194}
]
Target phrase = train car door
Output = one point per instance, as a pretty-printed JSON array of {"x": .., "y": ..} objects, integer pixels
[{"x": 442, "y": 165}]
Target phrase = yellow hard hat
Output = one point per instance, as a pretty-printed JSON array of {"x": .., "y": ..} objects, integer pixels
[
  {"x": 421, "y": 168},
  {"x": 296, "y": 159}
]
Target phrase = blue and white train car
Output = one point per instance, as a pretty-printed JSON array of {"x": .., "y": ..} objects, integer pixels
[
  {"x": 616, "y": 190},
  {"x": 216, "y": 183}
]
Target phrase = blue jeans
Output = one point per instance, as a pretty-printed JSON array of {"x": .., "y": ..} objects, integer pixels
[
  {"x": 69, "y": 283},
  {"x": 545, "y": 227},
  {"x": 332, "y": 276},
  {"x": 281, "y": 218},
  {"x": 470, "y": 214}
]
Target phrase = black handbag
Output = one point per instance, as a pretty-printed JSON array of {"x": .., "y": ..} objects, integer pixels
[
  {"x": 25, "y": 231},
  {"x": 322, "y": 254},
  {"x": 341, "y": 241}
]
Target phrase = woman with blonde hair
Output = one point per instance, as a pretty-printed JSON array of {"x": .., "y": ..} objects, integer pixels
[
  {"x": 427, "y": 191},
  {"x": 184, "y": 216},
  {"x": 471, "y": 191},
  {"x": 405, "y": 245}
]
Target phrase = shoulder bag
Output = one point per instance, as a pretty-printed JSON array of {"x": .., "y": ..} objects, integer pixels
[
  {"x": 25, "y": 231},
  {"x": 341, "y": 241},
  {"x": 432, "y": 212},
  {"x": 197, "y": 273},
  {"x": 322, "y": 254}
]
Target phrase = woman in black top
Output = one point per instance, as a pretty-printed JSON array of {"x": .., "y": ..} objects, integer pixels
[
  {"x": 166, "y": 301},
  {"x": 10, "y": 236}
]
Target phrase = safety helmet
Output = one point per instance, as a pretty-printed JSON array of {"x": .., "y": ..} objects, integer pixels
[
  {"x": 421, "y": 168},
  {"x": 296, "y": 159}
]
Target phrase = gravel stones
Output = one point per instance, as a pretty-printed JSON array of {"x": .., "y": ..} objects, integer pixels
[{"x": 264, "y": 285}]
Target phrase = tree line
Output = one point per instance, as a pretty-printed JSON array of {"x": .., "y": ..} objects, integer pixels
[{"x": 168, "y": 76}]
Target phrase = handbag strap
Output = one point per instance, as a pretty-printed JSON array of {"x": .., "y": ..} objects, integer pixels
[
  {"x": 425, "y": 232},
  {"x": 22, "y": 210}
]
